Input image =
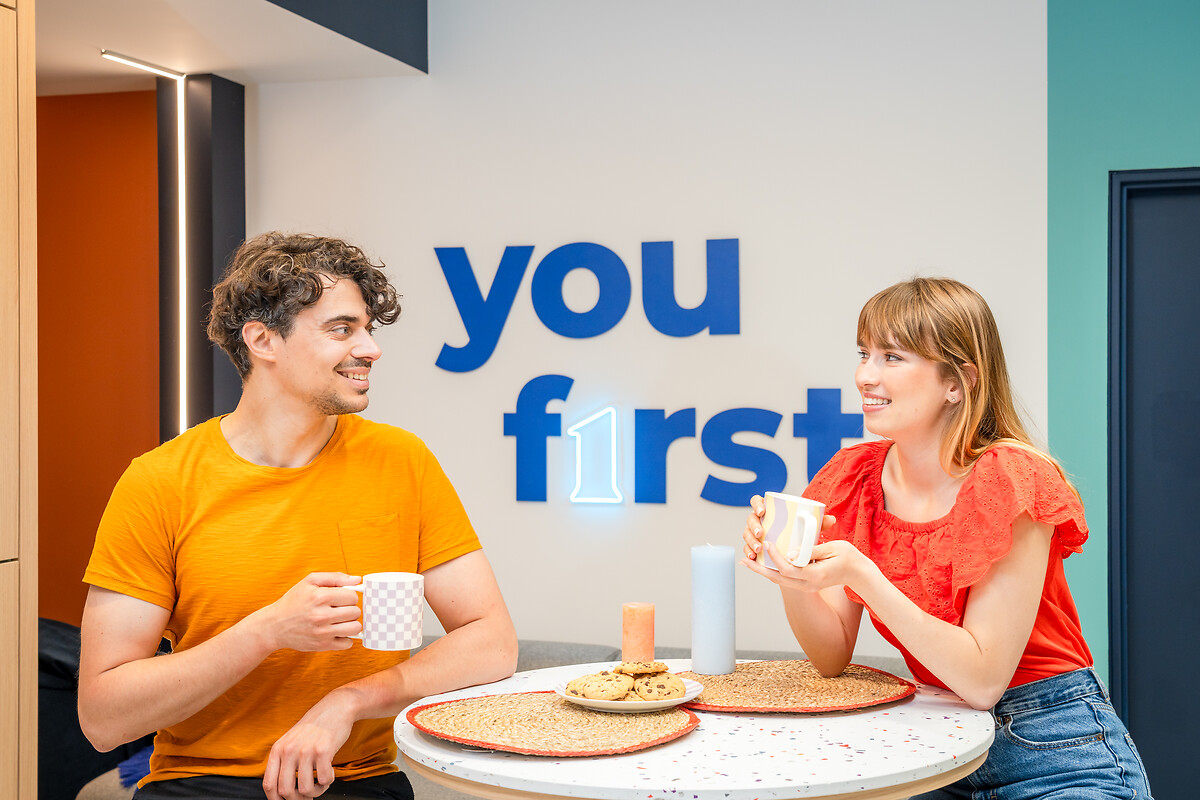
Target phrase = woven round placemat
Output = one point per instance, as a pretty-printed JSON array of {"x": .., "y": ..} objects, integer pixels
[
  {"x": 796, "y": 687},
  {"x": 543, "y": 724}
]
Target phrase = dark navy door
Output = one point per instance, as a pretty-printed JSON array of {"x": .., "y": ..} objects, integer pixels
[{"x": 1154, "y": 468}]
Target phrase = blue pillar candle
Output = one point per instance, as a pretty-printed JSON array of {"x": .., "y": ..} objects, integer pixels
[{"x": 712, "y": 609}]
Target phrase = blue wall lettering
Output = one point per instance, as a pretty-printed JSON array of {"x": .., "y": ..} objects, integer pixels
[
  {"x": 653, "y": 433},
  {"x": 720, "y": 311},
  {"x": 825, "y": 426},
  {"x": 531, "y": 425},
  {"x": 615, "y": 290},
  {"x": 483, "y": 319},
  {"x": 770, "y": 473}
]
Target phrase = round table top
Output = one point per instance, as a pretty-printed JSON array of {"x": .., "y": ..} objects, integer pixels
[{"x": 729, "y": 756}]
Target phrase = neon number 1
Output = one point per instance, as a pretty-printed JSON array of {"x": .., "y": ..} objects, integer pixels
[{"x": 596, "y": 458}]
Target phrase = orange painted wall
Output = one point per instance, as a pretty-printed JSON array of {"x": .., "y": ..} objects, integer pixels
[{"x": 97, "y": 321}]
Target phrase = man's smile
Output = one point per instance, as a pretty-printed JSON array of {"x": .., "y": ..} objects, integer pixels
[{"x": 357, "y": 372}]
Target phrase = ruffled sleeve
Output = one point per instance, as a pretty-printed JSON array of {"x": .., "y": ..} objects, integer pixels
[
  {"x": 935, "y": 563},
  {"x": 1006, "y": 482}
]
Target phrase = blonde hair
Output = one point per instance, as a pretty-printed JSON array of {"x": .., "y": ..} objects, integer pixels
[{"x": 949, "y": 323}]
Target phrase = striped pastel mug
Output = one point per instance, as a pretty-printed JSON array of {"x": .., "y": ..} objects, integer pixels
[{"x": 793, "y": 524}]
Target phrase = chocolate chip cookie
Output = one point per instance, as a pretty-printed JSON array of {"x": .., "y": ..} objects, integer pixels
[{"x": 660, "y": 686}]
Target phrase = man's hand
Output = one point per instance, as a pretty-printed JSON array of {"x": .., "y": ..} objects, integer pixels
[
  {"x": 301, "y": 762},
  {"x": 314, "y": 615},
  {"x": 480, "y": 646}
]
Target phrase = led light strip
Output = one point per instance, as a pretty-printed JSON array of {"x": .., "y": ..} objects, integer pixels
[{"x": 181, "y": 152}]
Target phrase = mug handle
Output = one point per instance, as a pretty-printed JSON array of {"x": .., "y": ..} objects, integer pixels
[{"x": 801, "y": 526}]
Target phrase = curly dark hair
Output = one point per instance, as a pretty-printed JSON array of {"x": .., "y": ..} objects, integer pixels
[{"x": 273, "y": 277}]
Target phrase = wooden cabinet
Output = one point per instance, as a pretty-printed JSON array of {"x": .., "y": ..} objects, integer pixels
[
  {"x": 9, "y": 290},
  {"x": 18, "y": 404},
  {"x": 10, "y": 648}
]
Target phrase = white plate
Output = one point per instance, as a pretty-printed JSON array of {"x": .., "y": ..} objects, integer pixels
[{"x": 632, "y": 706}]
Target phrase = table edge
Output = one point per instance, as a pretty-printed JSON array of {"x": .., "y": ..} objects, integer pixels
[
  {"x": 953, "y": 769},
  {"x": 897, "y": 792}
]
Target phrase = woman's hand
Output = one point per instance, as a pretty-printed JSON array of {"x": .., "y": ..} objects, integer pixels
[
  {"x": 836, "y": 563},
  {"x": 752, "y": 536},
  {"x": 825, "y": 624}
]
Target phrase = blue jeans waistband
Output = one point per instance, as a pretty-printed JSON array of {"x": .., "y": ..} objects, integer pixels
[{"x": 1050, "y": 691}]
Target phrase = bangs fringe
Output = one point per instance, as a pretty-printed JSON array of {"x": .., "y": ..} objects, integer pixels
[{"x": 898, "y": 319}]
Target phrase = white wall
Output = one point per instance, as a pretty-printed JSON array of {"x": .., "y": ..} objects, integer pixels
[{"x": 846, "y": 145}]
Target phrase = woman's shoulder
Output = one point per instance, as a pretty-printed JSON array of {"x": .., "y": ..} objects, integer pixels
[
  {"x": 849, "y": 468},
  {"x": 1011, "y": 479},
  {"x": 1013, "y": 462},
  {"x": 861, "y": 454}
]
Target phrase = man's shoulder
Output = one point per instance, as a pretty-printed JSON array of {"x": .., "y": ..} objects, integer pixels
[
  {"x": 362, "y": 431},
  {"x": 164, "y": 469},
  {"x": 194, "y": 441}
]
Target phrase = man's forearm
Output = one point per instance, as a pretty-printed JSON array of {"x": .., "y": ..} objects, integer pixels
[
  {"x": 479, "y": 652},
  {"x": 125, "y": 692},
  {"x": 133, "y": 699}
]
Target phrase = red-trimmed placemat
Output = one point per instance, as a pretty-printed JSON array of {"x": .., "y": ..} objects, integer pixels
[
  {"x": 543, "y": 724},
  {"x": 795, "y": 687}
]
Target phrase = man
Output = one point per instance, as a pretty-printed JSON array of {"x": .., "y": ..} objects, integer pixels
[{"x": 236, "y": 540}]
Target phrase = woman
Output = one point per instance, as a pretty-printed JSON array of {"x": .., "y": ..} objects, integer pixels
[{"x": 952, "y": 533}]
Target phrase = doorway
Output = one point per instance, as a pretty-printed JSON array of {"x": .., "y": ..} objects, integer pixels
[{"x": 1154, "y": 464}]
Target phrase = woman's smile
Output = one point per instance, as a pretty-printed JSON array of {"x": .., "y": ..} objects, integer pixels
[{"x": 902, "y": 393}]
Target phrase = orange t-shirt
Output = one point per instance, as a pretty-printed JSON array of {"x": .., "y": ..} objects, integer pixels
[
  {"x": 196, "y": 529},
  {"x": 935, "y": 563}
]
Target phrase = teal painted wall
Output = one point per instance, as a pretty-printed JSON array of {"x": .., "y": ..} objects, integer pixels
[{"x": 1124, "y": 93}]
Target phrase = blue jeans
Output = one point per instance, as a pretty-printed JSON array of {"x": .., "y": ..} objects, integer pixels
[{"x": 1056, "y": 738}]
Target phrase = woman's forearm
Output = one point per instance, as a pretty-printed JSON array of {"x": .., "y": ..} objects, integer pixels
[
  {"x": 825, "y": 625},
  {"x": 948, "y": 651},
  {"x": 977, "y": 659}
]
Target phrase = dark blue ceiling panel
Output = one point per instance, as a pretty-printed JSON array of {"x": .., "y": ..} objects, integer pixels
[{"x": 397, "y": 28}]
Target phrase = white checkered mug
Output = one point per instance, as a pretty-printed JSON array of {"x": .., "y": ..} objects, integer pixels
[{"x": 393, "y": 610}]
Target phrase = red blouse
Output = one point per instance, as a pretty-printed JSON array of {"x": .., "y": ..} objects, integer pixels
[{"x": 935, "y": 563}]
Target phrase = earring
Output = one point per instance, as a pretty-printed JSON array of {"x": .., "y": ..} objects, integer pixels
[{"x": 953, "y": 399}]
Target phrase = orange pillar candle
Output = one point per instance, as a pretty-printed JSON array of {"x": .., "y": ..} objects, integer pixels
[{"x": 637, "y": 632}]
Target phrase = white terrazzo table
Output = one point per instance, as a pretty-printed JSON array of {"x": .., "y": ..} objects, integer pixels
[{"x": 892, "y": 751}]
